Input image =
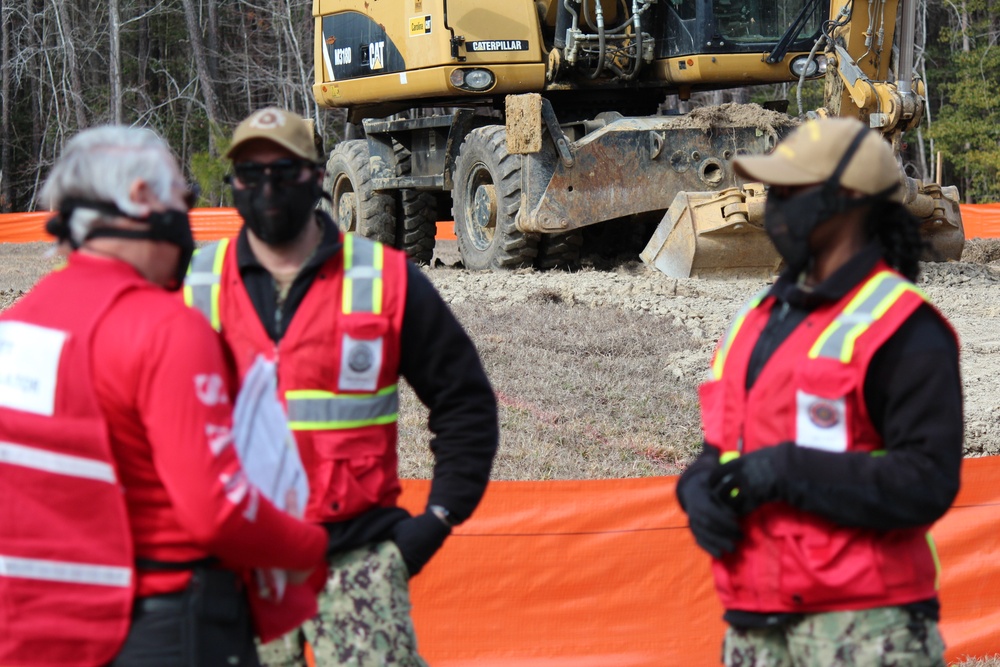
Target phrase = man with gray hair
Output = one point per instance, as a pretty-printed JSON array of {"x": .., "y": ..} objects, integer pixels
[{"x": 120, "y": 490}]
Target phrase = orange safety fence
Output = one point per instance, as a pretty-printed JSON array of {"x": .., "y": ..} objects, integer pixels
[
  {"x": 209, "y": 224},
  {"x": 605, "y": 572},
  {"x": 981, "y": 221}
]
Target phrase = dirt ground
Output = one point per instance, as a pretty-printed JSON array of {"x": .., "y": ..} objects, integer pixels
[{"x": 596, "y": 370}]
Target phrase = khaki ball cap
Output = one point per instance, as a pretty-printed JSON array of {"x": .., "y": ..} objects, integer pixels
[
  {"x": 811, "y": 153},
  {"x": 285, "y": 128}
]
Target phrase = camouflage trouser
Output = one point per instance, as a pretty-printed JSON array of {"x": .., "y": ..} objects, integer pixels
[
  {"x": 363, "y": 619},
  {"x": 882, "y": 637}
]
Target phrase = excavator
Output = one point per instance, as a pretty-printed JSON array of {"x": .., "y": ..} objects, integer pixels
[{"x": 542, "y": 126}]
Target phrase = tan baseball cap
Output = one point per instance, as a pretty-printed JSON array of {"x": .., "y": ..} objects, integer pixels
[
  {"x": 285, "y": 128},
  {"x": 811, "y": 153}
]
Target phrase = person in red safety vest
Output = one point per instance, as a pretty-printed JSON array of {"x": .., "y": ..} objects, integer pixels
[
  {"x": 344, "y": 318},
  {"x": 125, "y": 513},
  {"x": 832, "y": 420}
]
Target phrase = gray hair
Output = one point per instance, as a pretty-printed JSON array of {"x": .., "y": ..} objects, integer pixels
[{"x": 101, "y": 164}]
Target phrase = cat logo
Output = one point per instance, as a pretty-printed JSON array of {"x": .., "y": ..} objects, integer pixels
[
  {"x": 420, "y": 25},
  {"x": 376, "y": 55}
]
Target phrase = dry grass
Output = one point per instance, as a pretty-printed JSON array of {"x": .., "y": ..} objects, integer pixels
[
  {"x": 582, "y": 392},
  {"x": 981, "y": 251},
  {"x": 993, "y": 661}
]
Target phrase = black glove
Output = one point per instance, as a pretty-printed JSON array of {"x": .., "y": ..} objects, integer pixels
[
  {"x": 750, "y": 480},
  {"x": 419, "y": 538},
  {"x": 715, "y": 526}
]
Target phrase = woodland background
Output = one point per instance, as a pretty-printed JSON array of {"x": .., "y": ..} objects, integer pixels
[{"x": 192, "y": 69}]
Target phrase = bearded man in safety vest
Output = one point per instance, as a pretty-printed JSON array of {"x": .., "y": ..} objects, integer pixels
[
  {"x": 832, "y": 422},
  {"x": 344, "y": 318},
  {"x": 120, "y": 490}
]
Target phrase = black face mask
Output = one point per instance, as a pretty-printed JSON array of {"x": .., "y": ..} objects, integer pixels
[
  {"x": 790, "y": 221},
  {"x": 278, "y": 215},
  {"x": 171, "y": 226}
]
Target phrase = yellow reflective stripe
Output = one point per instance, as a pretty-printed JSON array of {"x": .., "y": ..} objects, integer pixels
[
  {"x": 317, "y": 410},
  {"x": 937, "y": 561},
  {"x": 343, "y": 425},
  {"x": 378, "y": 284},
  {"x": 863, "y": 320},
  {"x": 292, "y": 394},
  {"x": 363, "y": 283},
  {"x": 220, "y": 257},
  {"x": 719, "y": 362},
  {"x": 202, "y": 285},
  {"x": 348, "y": 298}
]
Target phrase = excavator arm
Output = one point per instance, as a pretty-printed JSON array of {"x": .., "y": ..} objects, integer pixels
[{"x": 701, "y": 230}]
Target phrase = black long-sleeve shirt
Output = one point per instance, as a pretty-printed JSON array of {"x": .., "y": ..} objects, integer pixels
[
  {"x": 913, "y": 394},
  {"x": 437, "y": 359}
]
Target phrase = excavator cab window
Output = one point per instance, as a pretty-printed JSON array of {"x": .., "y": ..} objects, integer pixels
[{"x": 739, "y": 26}]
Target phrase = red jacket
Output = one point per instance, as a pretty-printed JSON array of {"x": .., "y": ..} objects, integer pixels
[
  {"x": 67, "y": 565},
  {"x": 161, "y": 390},
  {"x": 812, "y": 392},
  {"x": 338, "y": 366}
]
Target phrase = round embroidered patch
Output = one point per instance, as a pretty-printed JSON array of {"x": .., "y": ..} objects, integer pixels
[
  {"x": 267, "y": 119},
  {"x": 360, "y": 358},
  {"x": 824, "y": 414}
]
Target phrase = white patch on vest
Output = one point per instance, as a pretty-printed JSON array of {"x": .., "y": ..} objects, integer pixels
[
  {"x": 820, "y": 423},
  {"x": 29, "y": 366},
  {"x": 210, "y": 389},
  {"x": 360, "y": 364}
]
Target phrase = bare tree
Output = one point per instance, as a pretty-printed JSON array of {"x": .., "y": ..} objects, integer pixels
[
  {"x": 72, "y": 67},
  {"x": 115, "y": 61},
  {"x": 201, "y": 66},
  {"x": 5, "y": 107}
]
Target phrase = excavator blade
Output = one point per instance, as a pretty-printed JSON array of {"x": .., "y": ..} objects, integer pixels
[
  {"x": 713, "y": 235},
  {"x": 721, "y": 234},
  {"x": 941, "y": 220}
]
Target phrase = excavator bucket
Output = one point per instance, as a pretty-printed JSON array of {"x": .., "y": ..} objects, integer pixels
[
  {"x": 713, "y": 235},
  {"x": 941, "y": 220},
  {"x": 721, "y": 234}
]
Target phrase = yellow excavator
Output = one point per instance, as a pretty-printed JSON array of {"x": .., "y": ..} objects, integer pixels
[{"x": 542, "y": 123}]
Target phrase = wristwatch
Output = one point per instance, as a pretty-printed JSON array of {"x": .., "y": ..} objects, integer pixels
[{"x": 443, "y": 514}]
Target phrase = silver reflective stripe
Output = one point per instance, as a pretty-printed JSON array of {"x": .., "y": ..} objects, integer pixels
[
  {"x": 201, "y": 278},
  {"x": 347, "y": 411},
  {"x": 63, "y": 572},
  {"x": 849, "y": 325},
  {"x": 362, "y": 275},
  {"x": 60, "y": 464}
]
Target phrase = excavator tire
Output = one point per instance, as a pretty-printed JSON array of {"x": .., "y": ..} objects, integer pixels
[
  {"x": 559, "y": 251},
  {"x": 354, "y": 207},
  {"x": 486, "y": 196},
  {"x": 416, "y": 224}
]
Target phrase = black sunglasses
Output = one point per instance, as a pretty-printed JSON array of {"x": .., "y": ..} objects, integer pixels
[{"x": 280, "y": 172}]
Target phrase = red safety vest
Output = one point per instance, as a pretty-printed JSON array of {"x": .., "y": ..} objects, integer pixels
[
  {"x": 811, "y": 391},
  {"x": 338, "y": 366},
  {"x": 66, "y": 562}
]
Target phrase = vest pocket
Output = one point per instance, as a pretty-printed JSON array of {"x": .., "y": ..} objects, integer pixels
[
  {"x": 822, "y": 565},
  {"x": 350, "y": 473}
]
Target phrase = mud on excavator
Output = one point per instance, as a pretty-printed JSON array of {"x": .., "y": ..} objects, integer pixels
[{"x": 541, "y": 122}]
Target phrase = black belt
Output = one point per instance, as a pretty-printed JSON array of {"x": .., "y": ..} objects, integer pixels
[{"x": 159, "y": 604}]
